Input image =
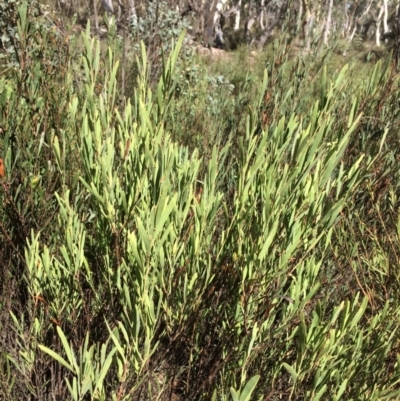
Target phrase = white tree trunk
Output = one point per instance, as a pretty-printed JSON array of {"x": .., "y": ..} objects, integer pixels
[
  {"x": 351, "y": 20},
  {"x": 300, "y": 17},
  {"x": 96, "y": 18},
  {"x": 237, "y": 18},
  {"x": 353, "y": 33},
  {"x": 378, "y": 27},
  {"x": 262, "y": 13},
  {"x": 309, "y": 16},
  {"x": 385, "y": 16},
  {"x": 328, "y": 22},
  {"x": 346, "y": 22}
]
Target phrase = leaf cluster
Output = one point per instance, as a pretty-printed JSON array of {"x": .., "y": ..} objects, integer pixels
[{"x": 180, "y": 244}]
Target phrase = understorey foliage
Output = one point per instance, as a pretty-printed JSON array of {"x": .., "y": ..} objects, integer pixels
[{"x": 210, "y": 235}]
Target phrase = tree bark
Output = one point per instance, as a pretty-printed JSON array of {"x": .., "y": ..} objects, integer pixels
[
  {"x": 96, "y": 18},
  {"x": 210, "y": 7},
  {"x": 378, "y": 27},
  {"x": 271, "y": 26},
  {"x": 385, "y": 17},
  {"x": 328, "y": 22},
  {"x": 307, "y": 23}
]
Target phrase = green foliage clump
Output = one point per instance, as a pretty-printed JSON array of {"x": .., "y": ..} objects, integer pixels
[
  {"x": 224, "y": 236},
  {"x": 10, "y": 30}
]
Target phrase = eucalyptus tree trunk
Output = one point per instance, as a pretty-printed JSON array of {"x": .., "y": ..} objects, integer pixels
[
  {"x": 307, "y": 23},
  {"x": 299, "y": 19},
  {"x": 354, "y": 17},
  {"x": 272, "y": 24},
  {"x": 397, "y": 31},
  {"x": 96, "y": 18},
  {"x": 209, "y": 10},
  {"x": 378, "y": 27},
  {"x": 385, "y": 16},
  {"x": 236, "y": 26},
  {"x": 328, "y": 22},
  {"x": 262, "y": 15}
]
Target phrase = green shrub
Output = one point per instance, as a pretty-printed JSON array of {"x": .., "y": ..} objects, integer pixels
[{"x": 251, "y": 260}]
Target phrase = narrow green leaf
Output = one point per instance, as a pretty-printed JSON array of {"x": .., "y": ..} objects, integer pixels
[
  {"x": 359, "y": 313},
  {"x": 268, "y": 241},
  {"x": 116, "y": 342},
  {"x": 57, "y": 357},
  {"x": 341, "y": 390},
  {"x": 143, "y": 235},
  {"x": 234, "y": 394},
  {"x": 68, "y": 350},
  {"x": 320, "y": 393},
  {"x": 291, "y": 370},
  {"x": 245, "y": 395},
  {"x": 104, "y": 370}
]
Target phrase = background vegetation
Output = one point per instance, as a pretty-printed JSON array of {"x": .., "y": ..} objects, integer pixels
[{"x": 190, "y": 229}]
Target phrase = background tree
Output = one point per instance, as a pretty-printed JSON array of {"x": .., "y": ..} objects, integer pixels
[{"x": 251, "y": 22}]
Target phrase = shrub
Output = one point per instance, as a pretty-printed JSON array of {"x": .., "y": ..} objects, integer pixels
[{"x": 137, "y": 268}]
